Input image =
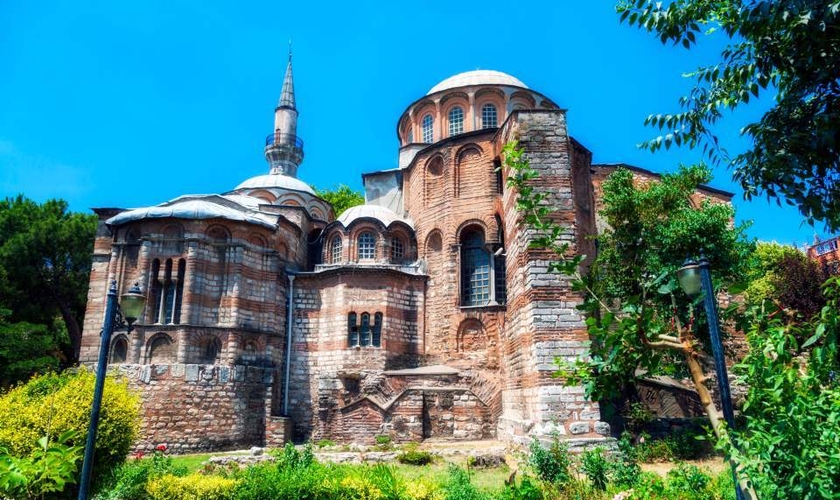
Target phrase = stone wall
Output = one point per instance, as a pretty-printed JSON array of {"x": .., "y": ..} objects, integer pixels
[{"x": 192, "y": 408}]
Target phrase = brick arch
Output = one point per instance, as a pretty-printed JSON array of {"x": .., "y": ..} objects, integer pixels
[
  {"x": 172, "y": 234},
  {"x": 264, "y": 195},
  {"x": 467, "y": 164},
  {"x": 453, "y": 96},
  {"x": 119, "y": 349},
  {"x": 359, "y": 227},
  {"x": 433, "y": 243},
  {"x": 524, "y": 97},
  {"x": 204, "y": 348},
  {"x": 480, "y": 223},
  {"x": 488, "y": 91},
  {"x": 472, "y": 336},
  {"x": 329, "y": 237},
  {"x": 160, "y": 348},
  {"x": 257, "y": 240},
  {"x": 218, "y": 234}
]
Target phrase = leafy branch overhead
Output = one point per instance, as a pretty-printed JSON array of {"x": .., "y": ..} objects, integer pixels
[{"x": 789, "y": 50}]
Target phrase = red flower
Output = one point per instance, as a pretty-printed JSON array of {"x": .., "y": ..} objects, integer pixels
[
  {"x": 161, "y": 448},
  {"x": 138, "y": 455}
]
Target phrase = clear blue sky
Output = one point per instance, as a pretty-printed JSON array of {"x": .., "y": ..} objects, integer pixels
[{"x": 134, "y": 103}]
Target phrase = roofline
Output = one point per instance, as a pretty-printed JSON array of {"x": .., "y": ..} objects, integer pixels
[{"x": 657, "y": 174}]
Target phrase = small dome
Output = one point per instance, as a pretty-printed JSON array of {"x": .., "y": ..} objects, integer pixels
[
  {"x": 384, "y": 215},
  {"x": 477, "y": 77},
  {"x": 278, "y": 181}
]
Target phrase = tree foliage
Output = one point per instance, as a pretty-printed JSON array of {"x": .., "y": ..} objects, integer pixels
[
  {"x": 25, "y": 349},
  {"x": 341, "y": 198},
  {"x": 786, "y": 276},
  {"x": 789, "y": 443},
  {"x": 790, "y": 49},
  {"x": 45, "y": 259}
]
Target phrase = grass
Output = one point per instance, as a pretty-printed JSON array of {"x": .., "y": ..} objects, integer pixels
[{"x": 485, "y": 479}]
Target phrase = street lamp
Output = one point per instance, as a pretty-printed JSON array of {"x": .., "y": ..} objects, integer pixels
[
  {"x": 695, "y": 279},
  {"x": 117, "y": 315}
]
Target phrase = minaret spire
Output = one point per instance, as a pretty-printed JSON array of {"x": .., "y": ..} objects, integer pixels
[
  {"x": 283, "y": 148},
  {"x": 287, "y": 94}
]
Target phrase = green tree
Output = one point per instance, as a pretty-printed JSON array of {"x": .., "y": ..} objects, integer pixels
[
  {"x": 790, "y": 49},
  {"x": 341, "y": 198},
  {"x": 25, "y": 349},
  {"x": 785, "y": 275},
  {"x": 45, "y": 259},
  {"x": 635, "y": 320}
]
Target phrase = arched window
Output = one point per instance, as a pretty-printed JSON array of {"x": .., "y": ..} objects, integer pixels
[
  {"x": 352, "y": 331},
  {"x": 397, "y": 249},
  {"x": 119, "y": 351},
  {"x": 335, "y": 250},
  {"x": 367, "y": 246},
  {"x": 489, "y": 117},
  {"x": 475, "y": 269},
  {"x": 409, "y": 135},
  {"x": 428, "y": 133},
  {"x": 364, "y": 334},
  {"x": 161, "y": 349},
  {"x": 376, "y": 339},
  {"x": 456, "y": 121},
  {"x": 500, "y": 264},
  {"x": 209, "y": 350},
  {"x": 167, "y": 291}
]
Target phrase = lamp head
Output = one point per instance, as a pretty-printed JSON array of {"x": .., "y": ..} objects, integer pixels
[
  {"x": 132, "y": 304},
  {"x": 689, "y": 277}
]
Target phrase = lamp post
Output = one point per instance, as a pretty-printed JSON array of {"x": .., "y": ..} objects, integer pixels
[
  {"x": 117, "y": 315},
  {"x": 695, "y": 278}
]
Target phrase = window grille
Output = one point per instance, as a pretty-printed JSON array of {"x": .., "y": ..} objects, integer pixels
[
  {"x": 364, "y": 334},
  {"x": 456, "y": 121},
  {"x": 377, "y": 330},
  {"x": 352, "y": 330},
  {"x": 335, "y": 250},
  {"x": 367, "y": 246},
  {"x": 475, "y": 270},
  {"x": 428, "y": 134},
  {"x": 397, "y": 249},
  {"x": 489, "y": 117}
]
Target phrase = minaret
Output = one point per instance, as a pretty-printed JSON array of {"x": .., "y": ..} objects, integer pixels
[{"x": 283, "y": 148}]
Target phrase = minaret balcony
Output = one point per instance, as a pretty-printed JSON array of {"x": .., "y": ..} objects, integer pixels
[{"x": 280, "y": 138}]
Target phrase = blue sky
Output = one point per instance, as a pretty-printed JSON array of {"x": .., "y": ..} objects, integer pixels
[{"x": 134, "y": 103}]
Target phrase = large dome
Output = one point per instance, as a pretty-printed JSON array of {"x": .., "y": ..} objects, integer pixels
[
  {"x": 276, "y": 181},
  {"x": 477, "y": 77}
]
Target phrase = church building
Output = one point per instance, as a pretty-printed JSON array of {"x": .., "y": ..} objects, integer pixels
[{"x": 422, "y": 314}]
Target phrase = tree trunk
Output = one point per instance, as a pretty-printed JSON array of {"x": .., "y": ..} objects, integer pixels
[
  {"x": 699, "y": 379},
  {"x": 74, "y": 331}
]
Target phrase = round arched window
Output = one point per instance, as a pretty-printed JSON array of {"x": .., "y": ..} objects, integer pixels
[
  {"x": 428, "y": 125},
  {"x": 489, "y": 116},
  {"x": 367, "y": 246},
  {"x": 335, "y": 250}
]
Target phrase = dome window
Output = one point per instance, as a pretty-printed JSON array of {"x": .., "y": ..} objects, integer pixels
[
  {"x": 367, "y": 246},
  {"x": 335, "y": 250},
  {"x": 428, "y": 135},
  {"x": 489, "y": 116},
  {"x": 397, "y": 249},
  {"x": 456, "y": 121}
]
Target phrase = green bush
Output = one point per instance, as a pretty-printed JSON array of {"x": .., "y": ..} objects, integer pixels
[
  {"x": 459, "y": 487},
  {"x": 324, "y": 443},
  {"x": 415, "y": 457},
  {"x": 59, "y": 402},
  {"x": 552, "y": 465},
  {"x": 129, "y": 481},
  {"x": 596, "y": 466},
  {"x": 48, "y": 470},
  {"x": 192, "y": 487}
]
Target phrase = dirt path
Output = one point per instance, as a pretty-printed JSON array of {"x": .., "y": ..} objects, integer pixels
[{"x": 713, "y": 465}]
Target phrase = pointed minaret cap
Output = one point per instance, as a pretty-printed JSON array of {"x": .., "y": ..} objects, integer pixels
[{"x": 287, "y": 94}]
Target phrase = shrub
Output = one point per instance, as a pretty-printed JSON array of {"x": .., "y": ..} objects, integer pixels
[
  {"x": 553, "y": 464},
  {"x": 415, "y": 457},
  {"x": 129, "y": 480},
  {"x": 596, "y": 467},
  {"x": 325, "y": 443},
  {"x": 458, "y": 485},
  {"x": 192, "y": 487},
  {"x": 59, "y": 402},
  {"x": 423, "y": 489},
  {"x": 383, "y": 439},
  {"x": 47, "y": 470}
]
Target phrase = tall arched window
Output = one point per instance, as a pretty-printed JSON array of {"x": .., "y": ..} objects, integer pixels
[
  {"x": 489, "y": 117},
  {"x": 409, "y": 135},
  {"x": 397, "y": 249},
  {"x": 352, "y": 330},
  {"x": 456, "y": 121},
  {"x": 500, "y": 264},
  {"x": 475, "y": 269},
  {"x": 167, "y": 291},
  {"x": 364, "y": 334},
  {"x": 428, "y": 125},
  {"x": 376, "y": 339},
  {"x": 335, "y": 250},
  {"x": 367, "y": 246}
]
